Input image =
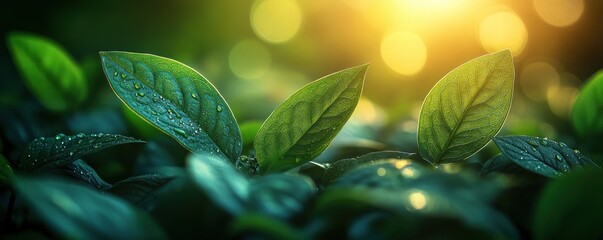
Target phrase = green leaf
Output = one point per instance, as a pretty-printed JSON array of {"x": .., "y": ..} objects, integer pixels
[
  {"x": 280, "y": 195},
  {"x": 137, "y": 189},
  {"x": 48, "y": 70},
  {"x": 176, "y": 99},
  {"x": 6, "y": 172},
  {"x": 588, "y": 108},
  {"x": 570, "y": 207},
  {"x": 222, "y": 183},
  {"x": 77, "y": 212},
  {"x": 542, "y": 156},
  {"x": 466, "y": 108},
  {"x": 499, "y": 163},
  {"x": 83, "y": 172},
  {"x": 338, "y": 168},
  {"x": 249, "y": 130},
  {"x": 304, "y": 125},
  {"x": 50, "y": 152}
]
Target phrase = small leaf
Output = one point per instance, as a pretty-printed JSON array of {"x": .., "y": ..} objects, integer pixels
[
  {"x": 77, "y": 212},
  {"x": 570, "y": 207},
  {"x": 222, "y": 183},
  {"x": 50, "y": 152},
  {"x": 6, "y": 172},
  {"x": 48, "y": 70},
  {"x": 588, "y": 108},
  {"x": 280, "y": 195},
  {"x": 542, "y": 156},
  {"x": 83, "y": 172},
  {"x": 176, "y": 99},
  {"x": 137, "y": 189},
  {"x": 338, "y": 168},
  {"x": 304, "y": 125},
  {"x": 499, "y": 163},
  {"x": 466, "y": 108}
]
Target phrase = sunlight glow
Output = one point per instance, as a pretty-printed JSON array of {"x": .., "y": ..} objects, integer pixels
[
  {"x": 501, "y": 30},
  {"x": 417, "y": 199},
  {"x": 381, "y": 172},
  {"x": 249, "y": 59},
  {"x": 399, "y": 164},
  {"x": 276, "y": 21},
  {"x": 404, "y": 52},
  {"x": 559, "y": 13},
  {"x": 409, "y": 172},
  {"x": 562, "y": 99},
  {"x": 538, "y": 78}
]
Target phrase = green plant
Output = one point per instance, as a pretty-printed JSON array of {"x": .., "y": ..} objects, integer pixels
[{"x": 273, "y": 192}]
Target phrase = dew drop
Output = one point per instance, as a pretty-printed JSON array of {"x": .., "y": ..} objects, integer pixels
[
  {"x": 70, "y": 153},
  {"x": 80, "y": 135},
  {"x": 123, "y": 75},
  {"x": 95, "y": 146},
  {"x": 140, "y": 94},
  {"x": 544, "y": 142},
  {"x": 563, "y": 145},
  {"x": 576, "y": 151},
  {"x": 194, "y": 95},
  {"x": 219, "y": 108},
  {"x": 59, "y": 136},
  {"x": 80, "y": 141},
  {"x": 534, "y": 149},
  {"x": 153, "y": 112},
  {"x": 558, "y": 157},
  {"x": 217, "y": 150},
  {"x": 180, "y": 131},
  {"x": 100, "y": 134},
  {"x": 115, "y": 73},
  {"x": 136, "y": 86},
  {"x": 533, "y": 143}
]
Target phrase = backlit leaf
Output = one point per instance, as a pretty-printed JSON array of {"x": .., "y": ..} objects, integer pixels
[
  {"x": 587, "y": 112},
  {"x": 48, "y": 70},
  {"x": 542, "y": 156},
  {"x": 176, "y": 99},
  {"x": 50, "y": 152},
  {"x": 74, "y": 211},
  {"x": 304, "y": 125},
  {"x": 338, "y": 168},
  {"x": 466, "y": 108}
]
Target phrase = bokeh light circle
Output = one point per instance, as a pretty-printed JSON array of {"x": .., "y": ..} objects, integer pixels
[
  {"x": 537, "y": 79},
  {"x": 559, "y": 13},
  {"x": 276, "y": 21},
  {"x": 503, "y": 30},
  {"x": 404, "y": 52},
  {"x": 249, "y": 59}
]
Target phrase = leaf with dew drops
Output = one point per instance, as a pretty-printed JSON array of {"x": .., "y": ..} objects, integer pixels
[
  {"x": 50, "y": 152},
  {"x": 541, "y": 155}
]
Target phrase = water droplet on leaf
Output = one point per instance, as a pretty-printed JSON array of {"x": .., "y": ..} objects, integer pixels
[
  {"x": 558, "y": 157},
  {"x": 219, "y": 108},
  {"x": 180, "y": 131},
  {"x": 136, "y": 86},
  {"x": 140, "y": 94}
]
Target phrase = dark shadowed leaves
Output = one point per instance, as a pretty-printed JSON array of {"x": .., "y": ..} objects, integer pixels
[
  {"x": 83, "y": 172},
  {"x": 588, "y": 108},
  {"x": 78, "y": 212},
  {"x": 49, "y": 152},
  {"x": 542, "y": 156},
  {"x": 138, "y": 188},
  {"x": 176, "y": 99},
  {"x": 304, "y": 125},
  {"x": 6, "y": 172},
  {"x": 280, "y": 195},
  {"x": 466, "y": 108}
]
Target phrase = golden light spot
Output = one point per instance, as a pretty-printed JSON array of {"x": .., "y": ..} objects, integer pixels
[
  {"x": 537, "y": 79},
  {"x": 404, "y": 52},
  {"x": 417, "y": 199},
  {"x": 559, "y": 13},
  {"x": 562, "y": 99},
  {"x": 409, "y": 172},
  {"x": 276, "y": 21},
  {"x": 502, "y": 30},
  {"x": 249, "y": 59},
  {"x": 399, "y": 164},
  {"x": 367, "y": 112},
  {"x": 381, "y": 172},
  {"x": 451, "y": 168}
]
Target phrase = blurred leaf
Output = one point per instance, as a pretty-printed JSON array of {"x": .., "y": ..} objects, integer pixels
[
  {"x": 97, "y": 120},
  {"x": 48, "y": 70},
  {"x": 338, "y": 168},
  {"x": 466, "y": 108},
  {"x": 138, "y": 188},
  {"x": 263, "y": 227},
  {"x": 6, "y": 172},
  {"x": 588, "y": 108},
  {"x": 542, "y": 156},
  {"x": 222, "y": 183},
  {"x": 409, "y": 187},
  {"x": 249, "y": 130},
  {"x": 50, "y": 152},
  {"x": 280, "y": 195},
  {"x": 304, "y": 125},
  {"x": 570, "y": 207},
  {"x": 141, "y": 126},
  {"x": 77, "y": 212},
  {"x": 83, "y": 172},
  {"x": 176, "y": 99},
  {"x": 499, "y": 163}
]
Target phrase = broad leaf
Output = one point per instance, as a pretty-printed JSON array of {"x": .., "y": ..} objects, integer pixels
[
  {"x": 48, "y": 70},
  {"x": 280, "y": 195},
  {"x": 542, "y": 156},
  {"x": 137, "y": 189},
  {"x": 588, "y": 108},
  {"x": 304, "y": 125},
  {"x": 338, "y": 168},
  {"x": 76, "y": 212},
  {"x": 570, "y": 207},
  {"x": 176, "y": 99},
  {"x": 50, "y": 152},
  {"x": 219, "y": 179},
  {"x": 466, "y": 108},
  {"x": 499, "y": 163},
  {"x": 6, "y": 172},
  {"x": 83, "y": 172}
]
